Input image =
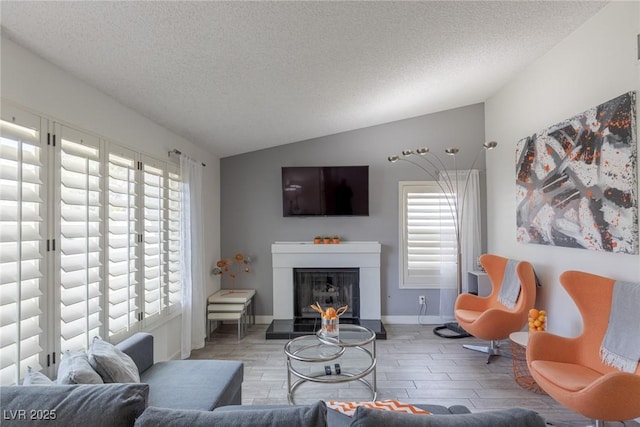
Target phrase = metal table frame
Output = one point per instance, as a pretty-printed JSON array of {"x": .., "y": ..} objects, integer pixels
[{"x": 340, "y": 348}]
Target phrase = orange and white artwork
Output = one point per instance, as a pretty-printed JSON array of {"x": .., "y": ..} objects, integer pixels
[{"x": 577, "y": 181}]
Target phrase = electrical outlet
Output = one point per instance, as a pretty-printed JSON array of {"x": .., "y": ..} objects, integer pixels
[{"x": 422, "y": 300}]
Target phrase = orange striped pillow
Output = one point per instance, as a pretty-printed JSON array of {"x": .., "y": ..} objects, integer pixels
[{"x": 349, "y": 408}]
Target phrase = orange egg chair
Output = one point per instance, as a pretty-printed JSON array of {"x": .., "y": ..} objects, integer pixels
[
  {"x": 487, "y": 318},
  {"x": 570, "y": 369}
]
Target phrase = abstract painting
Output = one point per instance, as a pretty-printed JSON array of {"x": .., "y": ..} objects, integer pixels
[{"x": 577, "y": 181}]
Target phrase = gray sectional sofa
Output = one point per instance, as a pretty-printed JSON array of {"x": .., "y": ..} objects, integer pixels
[
  {"x": 185, "y": 384},
  {"x": 204, "y": 393},
  {"x": 125, "y": 405}
]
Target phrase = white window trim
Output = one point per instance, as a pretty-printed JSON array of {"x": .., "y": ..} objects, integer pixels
[{"x": 406, "y": 279}]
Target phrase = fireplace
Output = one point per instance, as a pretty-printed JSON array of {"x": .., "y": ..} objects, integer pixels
[
  {"x": 329, "y": 287},
  {"x": 287, "y": 257}
]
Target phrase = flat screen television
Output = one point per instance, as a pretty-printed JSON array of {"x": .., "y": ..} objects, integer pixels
[{"x": 325, "y": 191}]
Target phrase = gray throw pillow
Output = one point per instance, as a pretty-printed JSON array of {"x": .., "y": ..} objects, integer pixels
[
  {"x": 79, "y": 405},
  {"x": 111, "y": 363},
  {"x": 365, "y": 417},
  {"x": 75, "y": 369},
  {"x": 36, "y": 378},
  {"x": 294, "y": 416}
]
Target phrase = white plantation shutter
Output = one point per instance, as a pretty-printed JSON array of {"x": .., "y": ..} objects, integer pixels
[
  {"x": 427, "y": 233},
  {"x": 173, "y": 236},
  {"x": 80, "y": 243},
  {"x": 89, "y": 241},
  {"x": 22, "y": 247},
  {"x": 153, "y": 238},
  {"x": 122, "y": 241}
]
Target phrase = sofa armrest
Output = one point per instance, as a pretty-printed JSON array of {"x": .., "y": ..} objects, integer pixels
[{"x": 139, "y": 347}]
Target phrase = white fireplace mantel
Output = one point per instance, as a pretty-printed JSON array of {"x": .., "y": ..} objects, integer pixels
[{"x": 362, "y": 255}]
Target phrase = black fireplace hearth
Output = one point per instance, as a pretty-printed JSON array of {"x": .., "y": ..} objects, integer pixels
[{"x": 288, "y": 328}]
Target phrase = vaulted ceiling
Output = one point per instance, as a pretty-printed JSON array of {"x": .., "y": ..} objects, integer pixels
[{"x": 237, "y": 76}]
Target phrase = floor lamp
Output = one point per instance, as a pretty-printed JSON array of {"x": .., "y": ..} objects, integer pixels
[{"x": 455, "y": 196}]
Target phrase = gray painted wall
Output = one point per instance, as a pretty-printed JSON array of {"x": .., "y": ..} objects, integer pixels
[{"x": 251, "y": 200}]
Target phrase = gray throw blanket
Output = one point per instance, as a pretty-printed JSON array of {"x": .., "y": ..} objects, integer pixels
[
  {"x": 621, "y": 344},
  {"x": 510, "y": 288}
]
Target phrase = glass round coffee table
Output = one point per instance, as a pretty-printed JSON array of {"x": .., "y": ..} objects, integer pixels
[{"x": 349, "y": 357}]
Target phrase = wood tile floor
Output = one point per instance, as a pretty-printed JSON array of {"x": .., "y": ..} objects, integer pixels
[{"x": 413, "y": 366}]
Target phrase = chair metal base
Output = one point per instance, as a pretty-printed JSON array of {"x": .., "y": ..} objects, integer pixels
[{"x": 492, "y": 350}]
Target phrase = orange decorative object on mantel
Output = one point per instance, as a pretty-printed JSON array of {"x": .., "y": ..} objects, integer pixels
[
  {"x": 326, "y": 240},
  {"x": 537, "y": 320}
]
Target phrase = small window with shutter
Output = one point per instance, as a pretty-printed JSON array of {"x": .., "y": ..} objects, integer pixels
[{"x": 427, "y": 234}]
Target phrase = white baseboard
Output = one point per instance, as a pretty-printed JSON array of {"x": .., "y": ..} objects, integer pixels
[
  {"x": 412, "y": 320},
  {"x": 264, "y": 320}
]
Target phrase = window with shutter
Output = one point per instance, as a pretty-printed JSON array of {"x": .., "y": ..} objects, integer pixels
[
  {"x": 122, "y": 241},
  {"x": 153, "y": 239},
  {"x": 427, "y": 234},
  {"x": 89, "y": 243},
  {"x": 22, "y": 245},
  {"x": 80, "y": 222},
  {"x": 173, "y": 237}
]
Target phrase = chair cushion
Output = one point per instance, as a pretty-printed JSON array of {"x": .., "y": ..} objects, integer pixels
[
  {"x": 468, "y": 316},
  {"x": 568, "y": 376}
]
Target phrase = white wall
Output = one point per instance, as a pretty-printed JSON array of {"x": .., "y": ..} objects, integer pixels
[
  {"x": 38, "y": 85},
  {"x": 594, "y": 64}
]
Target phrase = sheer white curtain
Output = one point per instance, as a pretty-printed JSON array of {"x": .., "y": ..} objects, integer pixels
[
  {"x": 192, "y": 253},
  {"x": 471, "y": 228},
  {"x": 470, "y": 224}
]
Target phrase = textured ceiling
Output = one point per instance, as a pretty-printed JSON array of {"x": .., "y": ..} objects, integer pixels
[{"x": 241, "y": 76}]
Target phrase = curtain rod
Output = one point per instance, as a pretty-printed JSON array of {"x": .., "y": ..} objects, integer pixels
[{"x": 178, "y": 152}]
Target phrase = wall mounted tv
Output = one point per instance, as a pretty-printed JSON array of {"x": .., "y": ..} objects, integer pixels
[{"x": 325, "y": 191}]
